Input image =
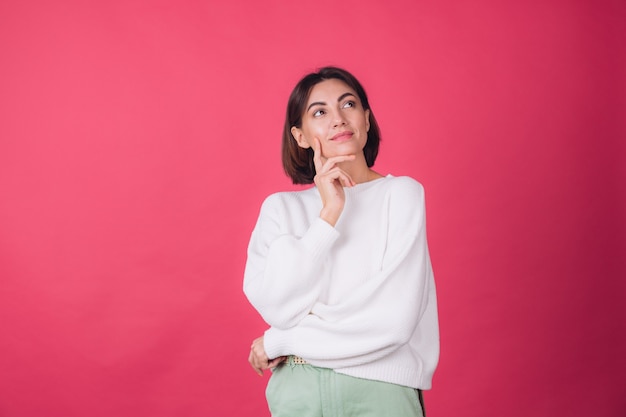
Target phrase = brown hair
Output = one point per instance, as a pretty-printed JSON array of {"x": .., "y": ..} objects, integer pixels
[{"x": 298, "y": 162}]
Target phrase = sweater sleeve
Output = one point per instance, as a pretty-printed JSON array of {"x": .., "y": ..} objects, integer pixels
[
  {"x": 382, "y": 314},
  {"x": 281, "y": 278}
]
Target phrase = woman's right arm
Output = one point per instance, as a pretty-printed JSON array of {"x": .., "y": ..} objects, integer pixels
[{"x": 283, "y": 274}]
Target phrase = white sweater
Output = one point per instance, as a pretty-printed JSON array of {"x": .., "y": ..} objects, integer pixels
[{"x": 359, "y": 297}]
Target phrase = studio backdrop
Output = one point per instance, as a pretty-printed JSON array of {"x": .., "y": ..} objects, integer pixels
[{"x": 139, "y": 138}]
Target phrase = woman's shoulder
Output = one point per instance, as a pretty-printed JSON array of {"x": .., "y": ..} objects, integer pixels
[
  {"x": 287, "y": 198},
  {"x": 404, "y": 183}
]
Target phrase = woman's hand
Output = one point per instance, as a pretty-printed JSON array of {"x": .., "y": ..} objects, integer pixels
[
  {"x": 258, "y": 358},
  {"x": 330, "y": 180}
]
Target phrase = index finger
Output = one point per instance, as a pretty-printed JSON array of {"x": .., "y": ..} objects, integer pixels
[{"x": 317, "y": 155}]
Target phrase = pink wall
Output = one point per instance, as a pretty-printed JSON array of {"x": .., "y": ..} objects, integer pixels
[{"x": 137, "y": 140}]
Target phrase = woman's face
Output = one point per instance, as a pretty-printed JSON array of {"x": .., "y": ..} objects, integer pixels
[{"x": 335, "y": 116}]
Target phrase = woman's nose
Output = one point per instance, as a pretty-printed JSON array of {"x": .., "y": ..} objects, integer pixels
[{"x": 338, "y": 119}]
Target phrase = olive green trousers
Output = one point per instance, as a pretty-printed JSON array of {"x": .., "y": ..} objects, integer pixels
[{"x": 303, "y": 390}]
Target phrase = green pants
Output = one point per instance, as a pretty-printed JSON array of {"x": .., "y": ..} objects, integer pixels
[{"x": 308, "y": 391}]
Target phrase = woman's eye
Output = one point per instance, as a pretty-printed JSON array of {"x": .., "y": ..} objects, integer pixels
[
  {"x": 319, "y": 113},
  {"x": 348, "y": 104}
]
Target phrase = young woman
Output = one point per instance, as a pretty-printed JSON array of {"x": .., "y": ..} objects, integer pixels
[{"x": 341, "y": 271}]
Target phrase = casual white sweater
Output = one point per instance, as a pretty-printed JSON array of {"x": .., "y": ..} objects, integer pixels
[{"x": 359, "y": 297}]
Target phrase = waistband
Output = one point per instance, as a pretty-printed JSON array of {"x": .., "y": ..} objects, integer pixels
[{"x": 296, "y": 360}]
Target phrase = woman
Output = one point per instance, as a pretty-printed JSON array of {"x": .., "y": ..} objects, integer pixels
[{"x": 341, "y": 271}]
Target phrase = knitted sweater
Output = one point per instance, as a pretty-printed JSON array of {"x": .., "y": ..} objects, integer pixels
[{"x": 359, "y": 297}]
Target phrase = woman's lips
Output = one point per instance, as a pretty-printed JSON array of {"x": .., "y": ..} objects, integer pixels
[{"x": 342, "y": 136}]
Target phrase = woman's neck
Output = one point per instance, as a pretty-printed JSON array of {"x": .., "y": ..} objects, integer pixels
[{"x": 359, "y": 171}]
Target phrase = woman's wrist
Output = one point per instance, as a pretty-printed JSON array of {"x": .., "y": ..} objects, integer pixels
[{"x": 330, "y": 216}]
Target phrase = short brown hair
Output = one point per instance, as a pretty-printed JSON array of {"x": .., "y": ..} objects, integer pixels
[{"x": 298, "y": 162}]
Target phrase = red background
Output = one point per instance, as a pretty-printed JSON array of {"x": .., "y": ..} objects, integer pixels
[{"x": 138, "y": 139}]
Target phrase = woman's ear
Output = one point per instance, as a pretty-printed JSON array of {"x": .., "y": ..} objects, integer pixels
[
  {"x": 298, "y": 135},
  {"x": 367, "y": 120}
]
